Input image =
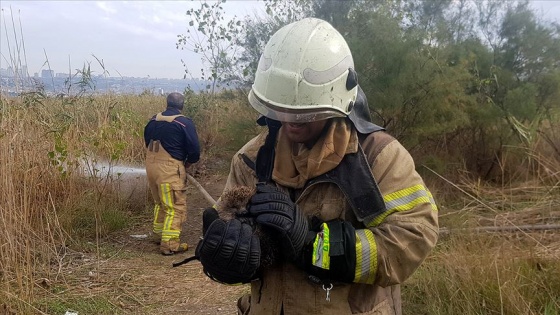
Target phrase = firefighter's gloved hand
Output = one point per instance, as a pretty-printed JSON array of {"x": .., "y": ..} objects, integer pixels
[
  {"x": 273, "y": 209},
  {"x": 209, "y": 215},
  {"x": 229, "y": 252},
  {"x": 331, "y": 256}
]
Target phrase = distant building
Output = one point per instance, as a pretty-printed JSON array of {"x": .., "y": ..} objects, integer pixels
[
  {"x": 47, "y": 74},
  {"x": 20, "y": 72},
  {"x": 23, "y": 71}
]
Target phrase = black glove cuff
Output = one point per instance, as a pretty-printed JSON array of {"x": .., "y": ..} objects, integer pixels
[{"x": 342, "y": 254}]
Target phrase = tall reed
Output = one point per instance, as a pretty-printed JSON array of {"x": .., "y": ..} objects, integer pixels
[
  {"x": 30, "y": 231},
  {"x": 45, "y": 197}
]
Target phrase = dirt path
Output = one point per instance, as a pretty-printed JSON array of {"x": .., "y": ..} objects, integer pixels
[{"x": 136, "y": 279}]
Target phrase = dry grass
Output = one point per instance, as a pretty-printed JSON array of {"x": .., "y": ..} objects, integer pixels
[
  {"x": 489, "y": 259},
  {"x": 66, "y": 241},
  {"x": 48, "y": 207},
  {"x": 489, "y": 273}
]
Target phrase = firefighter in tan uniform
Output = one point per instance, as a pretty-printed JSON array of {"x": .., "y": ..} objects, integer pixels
[
  {"x": 342, "y": 197},
  {"x": 171, "y": 147}
]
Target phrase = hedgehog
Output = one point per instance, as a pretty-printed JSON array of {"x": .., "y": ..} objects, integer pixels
[{"x": 232, "y": 205}]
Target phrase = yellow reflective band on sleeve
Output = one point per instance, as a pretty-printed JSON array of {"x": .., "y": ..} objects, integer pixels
[
  {"x": 432, "y": 201},
  {"x": 321, "y": 248},
  {"x": 404, "y": 200},
  {"x": 366, "y": 257}
]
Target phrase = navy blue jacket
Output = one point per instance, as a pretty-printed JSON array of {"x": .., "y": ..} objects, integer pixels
[{"x": 178, "y": 138}]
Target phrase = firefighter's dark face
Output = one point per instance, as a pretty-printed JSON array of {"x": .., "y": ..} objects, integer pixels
[{"x": 306, "y": 133}]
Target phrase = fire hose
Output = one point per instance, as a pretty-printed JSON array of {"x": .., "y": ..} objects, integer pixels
[{"x": 202, "y": 190}]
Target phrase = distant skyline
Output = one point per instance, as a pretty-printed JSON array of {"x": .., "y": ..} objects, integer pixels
[{"x": 131, "y": 38}]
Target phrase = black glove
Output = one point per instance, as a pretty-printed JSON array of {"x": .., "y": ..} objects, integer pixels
[
  {"x": 332, "y": 254},
  {"x": 229, "y": 252},
  {"x": 274, "y": 210},
  {"x": 208, "y": 216}
]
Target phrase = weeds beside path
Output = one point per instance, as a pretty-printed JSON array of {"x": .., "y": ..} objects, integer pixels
[{"x": 130, "y": 276}]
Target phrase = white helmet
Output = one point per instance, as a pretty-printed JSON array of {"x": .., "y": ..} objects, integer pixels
[{"x": 303, "y": 74}]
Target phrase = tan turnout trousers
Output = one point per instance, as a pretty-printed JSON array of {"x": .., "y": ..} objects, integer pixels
[{"x": 167, "y": 180}]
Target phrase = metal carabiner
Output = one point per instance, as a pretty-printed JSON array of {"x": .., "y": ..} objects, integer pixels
[{"x": 328, "y": 290}]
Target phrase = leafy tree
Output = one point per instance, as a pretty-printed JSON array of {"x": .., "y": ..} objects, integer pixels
[
  {"x": 403, "y": 69},
  {"x": 336, "y": 13},
  {"x": 214, "y": 39},
  {"x": 463, "y": 77},
  {"x": 512, "y": 68},
  {"x": 521, "y": 82},
  {"x": 284, "y": 12},
  {"x": 256, "y": 33}
]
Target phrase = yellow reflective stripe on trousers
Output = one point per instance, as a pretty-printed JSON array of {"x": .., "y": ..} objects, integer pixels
[
  {"x": 321, "y": 248},
  {"x": 403, "y": 200},
  {"x": 366, "y": 257},
  {"x": 167, "y": 200},
  {"x": 157, "y": 226}
]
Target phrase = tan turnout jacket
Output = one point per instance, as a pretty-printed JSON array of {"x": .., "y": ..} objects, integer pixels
[{"x": 403, "y": 237}]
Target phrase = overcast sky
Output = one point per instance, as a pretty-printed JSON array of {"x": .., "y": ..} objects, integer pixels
[{"x": 133, "y": 38}]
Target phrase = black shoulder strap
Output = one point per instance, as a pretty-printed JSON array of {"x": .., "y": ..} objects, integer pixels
[
  {"x": 265, "y": 156},
  {"x": 353, "y": 176}
]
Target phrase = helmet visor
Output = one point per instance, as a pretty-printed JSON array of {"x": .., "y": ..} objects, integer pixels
[{"x": 302, "y": 115}]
